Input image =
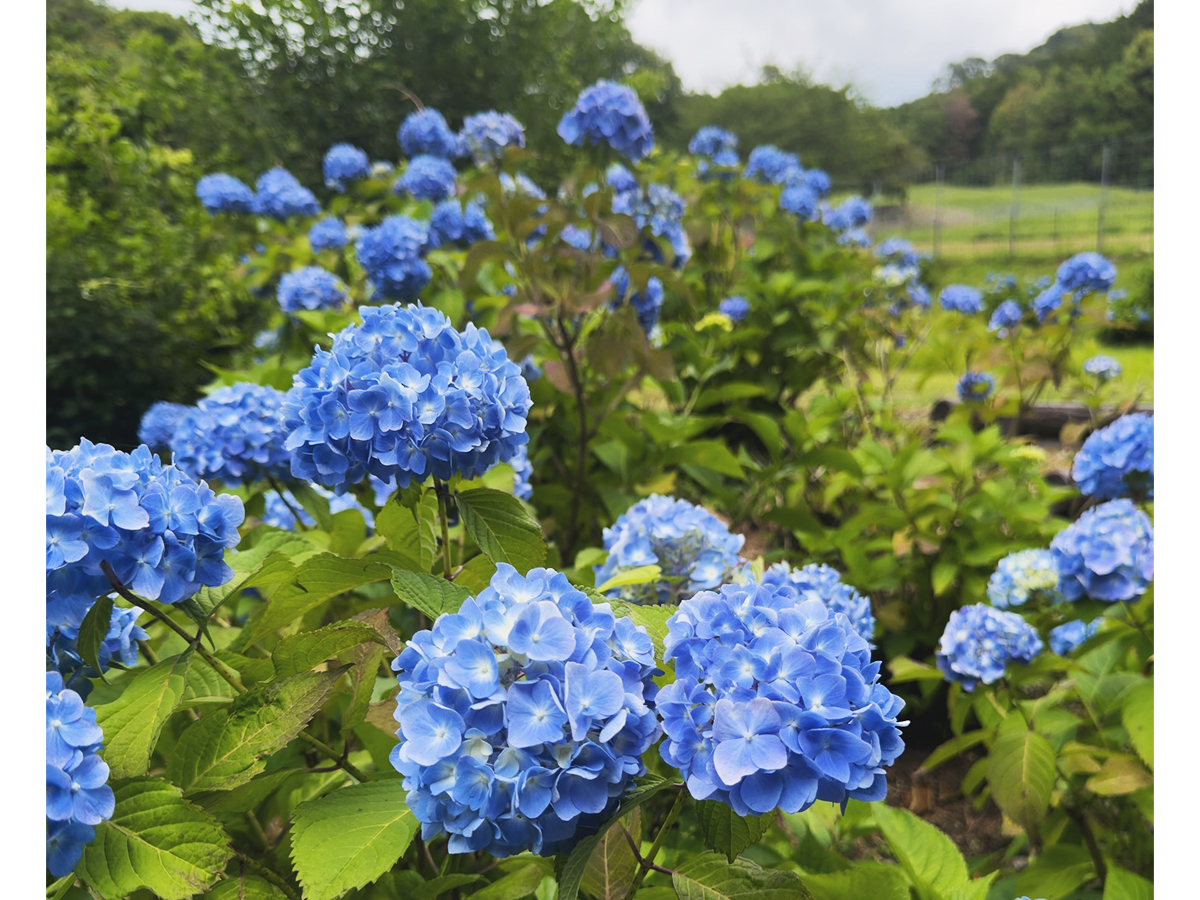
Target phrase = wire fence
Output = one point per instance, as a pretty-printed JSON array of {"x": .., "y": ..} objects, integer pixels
[{"x": 1052, "y": 202}]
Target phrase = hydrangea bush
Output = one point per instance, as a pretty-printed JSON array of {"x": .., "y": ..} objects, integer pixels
[{"x": 980, "y": 642}]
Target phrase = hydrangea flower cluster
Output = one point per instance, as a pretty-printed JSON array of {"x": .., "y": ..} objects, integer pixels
[
  {"x": 486, "y": 134},
  {"x": 451, "y": 223},
  {"x": 1000, "y": 283},
  {"x": 235, "y": 435},
  {"x": 1065, "y": 638},
  {"x": 426, "y": 132},
  {"x": 611, "y": 115},
  {"x": 776, "y": 703},
  {"x": 1006, "y": 316},
  {"x": 658, "y": 209},
  {"x": 800, "y": 200},
  {"x": 162, "y": 533},
  {"x": 427, "y": 177},
  {"x": 736, "y": 308},
  {"x": 1102, "y": 368},
  {"x": 979, "y": 642},
  {"x": 1086, "y": 272},
  {"x": 1048, "y": 301},
  {"x": 158, "y": 424},
  {"x": 522, "y": 472},
  {"x": 899, "y": 251},
  {"x": 817, "y": 581},
  {"x": 119, "y": 643},
  {"x": 1106, "y": 554},
  {"x": 279, "y": 509},
  {"x": 345, "y": 163},
  {"x": 694, "y": 549},
  {"x": 392, "y": 253},
  {"x": 524, "y": 716},
  {"x": 310, "y": 288},
  {"x": 224, "y": 193},
  {"x": 77, "y": 792},
  {"x": 280, "y": 196},
  {"x": 816, "y": 180},
  {"x": 770, "y": 165},
  {"x": 961, "y": 298},
  {"x": 975, "y": 387},
  {"x": 717, "y": 146},
  {"x": 328, "y": 234},
  {"x": 1117, "y": 460},
  {"x": 851, "y": 213},
  {"x": 855, "y": 237},
  {"x": 1023, "y": 577},
  {"x": 647, "y": 303},
  {"x": 406, "y": 396}
]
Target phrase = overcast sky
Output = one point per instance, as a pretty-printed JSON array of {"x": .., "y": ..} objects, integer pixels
[{"x": 890, "y": 50}]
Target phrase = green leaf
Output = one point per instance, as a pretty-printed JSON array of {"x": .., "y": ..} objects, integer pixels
[
  {"x": 1138, "y": 716},
  {"x": 93, "y": 630},
  {"x": 635, "y": 575},
  {"x": 1057, "y": 872},
  {"x": 710, "y": 877},
  {"x": 133, "y": 721},
  {"x": 953, "y": 748},
  {"x": 706, "y": 455},
  {"x": 834, "y": 458},
  {"x": 435, "y": 887},
  {"x": 313, "y": 504},
  {"x": 905, "y": 669},
  {"x": 270, "y": 562},
  {"x": 652, "y": 618},
  {"x": 612, "y": 866},
  {"x": 1120, "y": 774},
  {"x": 502, "y": 528},
  {"x": 203, "y": 686},
  {"x": 245, "y": 886},
  {"x": 931, "y": 859},
  {"x": 725, "y": 831},
  {"x": 228, "y": 746},
  {"x": 428, "y": 593},
  {"x": 1021, "y": 772},
  {"x": 155, "y": 840},
  {"x": 411, "y": 533},
  {"x": 943, "y": 575},
  {"x": 476, "y": 574},
  {"x": 864, "y": 881},
  {"x": 350, "y": 837},
  {"x": 304, "y": 652},
  {"x": 1121, "y": 884},
  {"x": 516, "y": 884}
]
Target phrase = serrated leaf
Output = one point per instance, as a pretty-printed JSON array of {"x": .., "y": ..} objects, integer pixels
[
  {"x": 476, "y": 574},
  {"x": 726, "y": 832},
  {"x": 516, "y": 884},
  {"x": 245, "y": 886},
  {"x": 412, "y": 533},
  {"x": 864, "y": 881},
  {"x": 305, "y": 651},
  {"x": 367, "y": 660},
  {"x": 635, "y": 575},
  {"x": 928, "y": 856},
  {"x": 248, "y": 796},
  {"x": 502, "y": 528},
  {"x": 612, "y": 867},
  {"x": 93, "y": 630},
  {"x": 270, "y": 562},
  {"x": 313, "y": 504},
  {"x": 132, "y": 722},
  {"x": 1138, "y": 717},
  {"x": 203, "y": 686},
  {"x": 710, "y": 877},
  {"x": 1119, "y": 775},
  {"x": 1021, "y": 773},
  {"x": 350, "y": 837},
  {"x": 155, "y": 840},
  {"x": 1057, "y": 872},
  {"x": 428, "y": 593},
  {"x": 1120, "y": 884},
  {"x": 228, "y": 746}
]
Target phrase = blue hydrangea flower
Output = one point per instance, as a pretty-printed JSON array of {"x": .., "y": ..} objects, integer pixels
[
  {"x": 1107, "y": 554},
  {"x": 522, "y": 472},
  {"x": 426, "y": 133},
  {"x": 279, "y": 509},
  {"x": 711, "y": 140},
  {"x": 1086, "y": 272},
  {"x": 975, "y": 387},
  {"x": 657, "y": 210},
  {"x": 345, "y": 163},
  {"x": 694, "y": 549},
  {"x": 77, "y": 792},
  {"x": 855, "y": 237},
  {"x": 392, "y": 255},
  {"x": 736, "y": 308},
  {"x": 224, "y": 193},
  {"x": 162, "y": 533},
  {"x": 234, "y": 435},
  {"x": 428, "y": 178},
  {"x": 647, "y": 304},
  {"x": 328, "y": 234},
  {"x": 119, "y": 644},
  {"x": 851, "y": 213},
  {"x": 1067, "y": 637},
  {"x": 452, "y": 224},
  {"x": 899, "y": 251},
  {"x": 775, "y": 703},
  {"x": 280, "y": 196},
  {"x": 817, "y": 181},
  {"x": 821, "y": 582},
  {"x": 800, "y": 201},
  {"x": 1006, "y": 316},
  {"x": 1024, "y": 577},
  {"x": 961, "y": 298},
  {"x": 406, "y": 396},
  {"x": 523, "y": 717},
  {"x": 979, "y": 642},
  {"x": 1102, "y": 368},
  {"x": 158, "y": 424},
  {"x": 487, "y": 134},
  {"x": 611, "y": 115},
  {"x": 770, "y": 165},
  {"x": 310, "y": 288},
  {"x": 918, "y": 295},
  {"x": 1117, "y": 460},
  {"x": 1048, "y": 301},
  {"x": 1000, "y": 283}
]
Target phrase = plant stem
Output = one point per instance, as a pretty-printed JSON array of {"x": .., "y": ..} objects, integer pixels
[
  {"x": 300, "y": 526},
  {"x": 440, "y": 490},
  {"x": 659, "y": 840},
  {"x": 266, "y": 873}
]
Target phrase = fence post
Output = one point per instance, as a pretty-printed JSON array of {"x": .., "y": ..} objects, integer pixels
[
  {"x": 1012, "y": 213},
  {"x": 1103, "y": 197},
  {"x": 939, "y": 178}
]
